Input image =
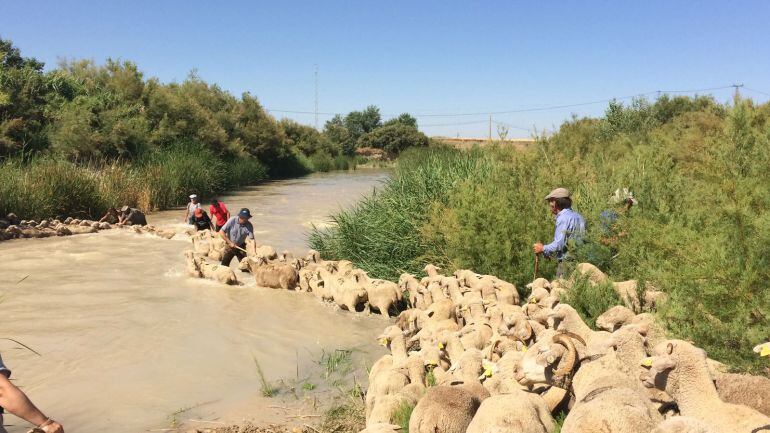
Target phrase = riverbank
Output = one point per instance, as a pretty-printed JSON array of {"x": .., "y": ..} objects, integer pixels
[{"x": 696, "y": 167}]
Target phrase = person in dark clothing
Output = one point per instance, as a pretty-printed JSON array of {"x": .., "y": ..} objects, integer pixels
[
  {"x": 111, "y": 216},
  {"x": 234, "y": 232},
  {"x": 201, "y": 220},
  {"x": 131, "y": 217}
]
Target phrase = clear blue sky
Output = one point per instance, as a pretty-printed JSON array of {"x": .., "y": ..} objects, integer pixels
[{"x": 422, "y": 57}]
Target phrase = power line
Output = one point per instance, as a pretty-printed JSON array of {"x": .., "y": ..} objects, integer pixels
[
  {"x": 756, "y": 91},
  {"x": 523, "y": 110}
]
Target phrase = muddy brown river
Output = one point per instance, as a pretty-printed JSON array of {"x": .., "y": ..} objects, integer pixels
[{"x": 129, "y": 343}]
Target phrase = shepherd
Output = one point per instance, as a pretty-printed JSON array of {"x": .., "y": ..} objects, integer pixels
[
  {"x": 219, "y": 211},
  {"x": 234, "y": 232},
  {"x": 194, "y": 204},
  {"x": 570, "y": 225}
]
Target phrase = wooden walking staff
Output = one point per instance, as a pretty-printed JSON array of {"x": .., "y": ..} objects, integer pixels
[{"x": 537, "y": 264}]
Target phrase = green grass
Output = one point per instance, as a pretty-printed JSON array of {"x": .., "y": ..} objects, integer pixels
[
  {"x": 267, "y": 389},
  {"x": 48, "y": 187},
  {"x": 338, "y": 362},
  {"x": 591, "y": 300},
  {"x": 402, "y": 415}
]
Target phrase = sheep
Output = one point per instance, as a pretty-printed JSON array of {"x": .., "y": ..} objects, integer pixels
[
  {"x": 607, "y": 398},
  {"x": 627, "y": 292},
  {"x": 745, "y": 389},
  {"x": 499, "y": 377},
  {"x": 594, "y": 274},
  {"x": 381, "y": 428},
  {"x": 566, "y": 319},
  {"x": 408, "y": 283},
  {"x": 220, "y": 273},
  {"x": 445, "y": 409},
  {"x": 614, "y": 318},
  {"x": 381, "y": 294},
  {"x": 680, "y": 369},
  {"x": 349, "y": 293},
  {"x": 273, "y": 275},
  {"x": 682, "y": 424},
  {"x": 520, "y": 412},
  {"x": 385, "y": 405}
]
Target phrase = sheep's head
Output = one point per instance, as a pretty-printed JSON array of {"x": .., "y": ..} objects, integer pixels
[
  {"x": 389, "y": 334},
  {"x": 330, "y": 267},
  {"x": 431, "y": 269},
  {"x": 614, "y": 318},
  {"x": 359, "y": 276},
  {"x": 313, "y": 256},
  {"x": 404, "y": 279},
  {"x": 539, "y": 283},
  {"x": 551, "y": 360},
  {"x": 674, "y": 358}
]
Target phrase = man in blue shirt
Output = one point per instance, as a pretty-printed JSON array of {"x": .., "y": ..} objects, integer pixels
[
  {"x": 234, "y": 232},
  {"x": 570, "y": 225}
]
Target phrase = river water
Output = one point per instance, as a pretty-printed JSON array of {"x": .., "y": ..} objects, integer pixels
[{"x": 127, "y": 339}]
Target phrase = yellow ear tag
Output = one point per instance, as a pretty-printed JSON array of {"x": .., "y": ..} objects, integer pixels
[
  {"x": 440, "y": 345},
  {"x": 533, "y": 301},
  {"x": 383, "y": 341},
  {"x": 523, "y": 348},
  {"x": 550, "y": 359},
  {"x": 647, "y": 362},
  {"x": 488, "y": 373},
  {"x": 765, "y": 350}
]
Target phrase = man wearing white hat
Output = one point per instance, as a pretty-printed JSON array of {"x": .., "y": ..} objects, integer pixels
[
  {"x": 194, "y": 204},
  {"x": 569, "y": 225},
  {"x": 622, "y": 200}
]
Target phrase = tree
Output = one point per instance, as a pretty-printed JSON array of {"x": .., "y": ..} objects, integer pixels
[
  {"x": 336, "y": 131},
  {"x": 363, "y": 122},
  {"x": 404, "y": 119},
  {"x": 393, "y": 139}
]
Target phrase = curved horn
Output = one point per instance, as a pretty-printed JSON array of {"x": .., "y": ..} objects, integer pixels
[
  {"x": 670, "y": 348},
  {"x": 574, "y": 336},
  {"x": 569, "y": 359}
]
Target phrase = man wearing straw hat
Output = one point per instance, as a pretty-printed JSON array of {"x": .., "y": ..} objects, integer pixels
[
  {"x": 569, "y": 226},
  {"x": 234, "y": 232}
]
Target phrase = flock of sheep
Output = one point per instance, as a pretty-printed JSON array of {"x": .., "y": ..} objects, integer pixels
[
  {"x": 12, "y": 228},
  {"x": 470, "y": 357}
]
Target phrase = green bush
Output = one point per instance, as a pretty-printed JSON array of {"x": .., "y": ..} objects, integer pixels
[
  {"x": 394, "y": 138},
  {"x": 700, "y": 232},
  {"x": 46, "y": 187}
]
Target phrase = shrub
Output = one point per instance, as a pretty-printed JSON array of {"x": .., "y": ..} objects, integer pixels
[
  {"x": 394, "y": 138},
  {"x": 700, "y": 232}
]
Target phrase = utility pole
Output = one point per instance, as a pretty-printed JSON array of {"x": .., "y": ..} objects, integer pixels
[
  {"x": 316, "y": 96},
  {"x": 737, "y": 94},
  {"x": 490, "y": 127}
]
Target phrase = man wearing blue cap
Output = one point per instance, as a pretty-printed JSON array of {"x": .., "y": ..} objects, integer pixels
[{"x": 234, "y": 232}]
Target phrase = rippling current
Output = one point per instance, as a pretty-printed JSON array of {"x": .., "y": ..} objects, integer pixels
[{"x": 127, "y": 339}]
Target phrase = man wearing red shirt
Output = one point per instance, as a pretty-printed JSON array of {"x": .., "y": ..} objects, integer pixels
[{"x": 219, "y": 211}]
